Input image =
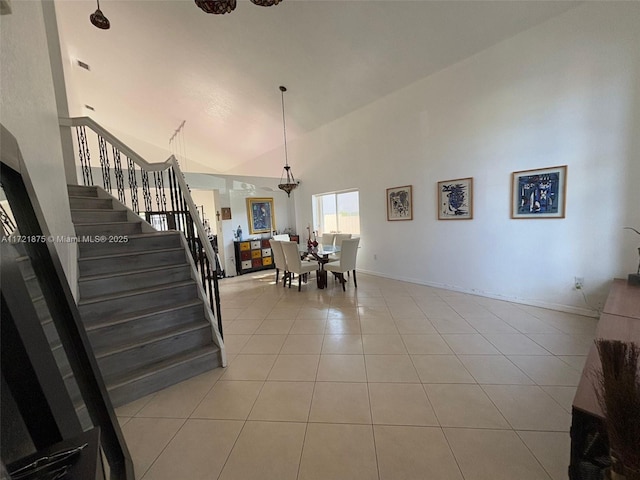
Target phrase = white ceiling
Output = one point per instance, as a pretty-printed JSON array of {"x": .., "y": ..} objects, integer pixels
[{"x": 163, "y": 62}]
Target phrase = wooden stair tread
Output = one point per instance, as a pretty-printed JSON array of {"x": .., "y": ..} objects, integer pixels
[
  {"x": 132, "y": 293},
  {"x": 142, "y": 314},
  {"x": 149, "y": 339},
  {"x": 155, "y": 368},
  {"x": 162, "y": 268},
  {"x": 130, "y": 254}
]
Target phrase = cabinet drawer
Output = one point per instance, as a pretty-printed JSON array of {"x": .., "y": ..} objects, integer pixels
[
  {"x": 256, "y": 254},
  {"x": 266, "y": 261},
  {"x": 255, "y": 245},
  {"x": 256, "y": 262},
  {"x": 265, "y": 243},
  {"x": 266, "y": 252},
  {"x": 246, "y": 265},
  {"x": 245, "y": 246},
  {"x": 246, "y": 255}
]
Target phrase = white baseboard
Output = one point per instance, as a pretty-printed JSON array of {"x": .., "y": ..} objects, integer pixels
[{"x": 588, "y": 312}]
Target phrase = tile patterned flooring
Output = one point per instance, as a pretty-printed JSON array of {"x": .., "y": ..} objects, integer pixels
[{"x": 391, "y": 380}]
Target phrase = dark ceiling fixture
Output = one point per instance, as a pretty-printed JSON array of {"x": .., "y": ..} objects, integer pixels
[
  {"x": 98, "y": 19},
  {"x": 220, "y": 7},
  {"x": 287, "y": 180}
]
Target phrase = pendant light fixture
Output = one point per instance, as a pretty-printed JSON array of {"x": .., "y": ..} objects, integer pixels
[
  {"x": 217, "y": 7},
  {"x": 220, "y": 7},
  {"x": 287, "y": 180},
  {"x": 99, "y": 20}
]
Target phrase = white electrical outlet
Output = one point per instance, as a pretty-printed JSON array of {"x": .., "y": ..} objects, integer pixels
[{"x": 579, "y": 283}]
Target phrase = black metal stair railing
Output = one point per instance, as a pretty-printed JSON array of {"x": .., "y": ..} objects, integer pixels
[{"x": 158, "y": 192}]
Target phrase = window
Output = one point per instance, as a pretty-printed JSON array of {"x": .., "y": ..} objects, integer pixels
[{"x": 337, "y": 212}]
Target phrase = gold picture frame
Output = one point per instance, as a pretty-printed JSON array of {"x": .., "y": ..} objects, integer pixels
[
  {"x": 539, "y": 193},
  {"x": 261, "y": 215}
]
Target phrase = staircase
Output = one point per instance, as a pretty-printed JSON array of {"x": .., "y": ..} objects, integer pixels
[{"x": 139, "y": 299}]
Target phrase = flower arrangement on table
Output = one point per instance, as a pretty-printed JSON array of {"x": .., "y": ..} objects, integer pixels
[{"x": 312, "y": 235}]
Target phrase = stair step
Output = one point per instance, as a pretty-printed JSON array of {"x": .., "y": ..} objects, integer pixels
[
  {"x": 112, "y": 306},
  {"x": 108, "y": 228},
  {"x": 125, "y": 359},
  {"x": 81, "y": 190},
  {"x": 162, "y": 374},
  {"x": 90, "y": 203},
  {"x": 95, "y": 215},
  {"x": 124, "y": 261},
  {"x": 98, "y": 285},
  {"x": 143, "y": 242},
  {"x": 122, "y": 330}
]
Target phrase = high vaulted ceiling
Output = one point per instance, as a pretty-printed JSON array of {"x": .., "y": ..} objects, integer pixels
[{"x": 163, "y": 62}]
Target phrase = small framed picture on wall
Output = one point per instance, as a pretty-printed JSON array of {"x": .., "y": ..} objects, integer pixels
[
  {"x": 455, "y": 199},
  {"x": 400, "y": 203},
  {"x": 539, "y": 193}
]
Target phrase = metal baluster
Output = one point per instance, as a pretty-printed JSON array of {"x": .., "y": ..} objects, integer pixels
[
  {"x": 8, "y": 227},
  {"x": 146, "y": 194},
  {"x": 181, "y": 207},
  {"x": 133, "y": 185},
  {"x": 117, "y": 166},
  {"x": 84, "y": 156},
  {"x": 202, "y": 257},
  {"x": 104, "y": 163},
  {"x": 216, "y": 293},
  {"x": 178, "y": 194},
  {"x": 155, "y": 183},
  {"x": 163, "y": 196},
  {"x": 172, "y": 192}
]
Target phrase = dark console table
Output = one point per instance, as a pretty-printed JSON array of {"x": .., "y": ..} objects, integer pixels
[{"x": 620, "y": 320}]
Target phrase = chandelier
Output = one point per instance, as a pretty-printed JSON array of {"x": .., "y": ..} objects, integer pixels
[
  {"x": 219, "y": 7},
  {"x": 287, "y": 180}
]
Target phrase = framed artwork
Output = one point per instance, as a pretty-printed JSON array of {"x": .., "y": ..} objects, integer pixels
[
  {"x": 400, "y": 203},
  {"x": 455, "y": 199},
  {"x": 539, "y": 193},
  {"x": 226, "y": 213},
  {"x": 261, "y": 215}
]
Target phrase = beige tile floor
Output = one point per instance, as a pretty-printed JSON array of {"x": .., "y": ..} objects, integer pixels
[{"x": 388, "y": 381}]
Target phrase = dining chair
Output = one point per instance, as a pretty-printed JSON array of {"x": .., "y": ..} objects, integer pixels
[
  {"x": 347, "y": 261},
  {"x": 278, "y": 258},
  {"x": 338, "y": 243},
  {"x": 327, "y": 239},
  {"x": 294, "y": 264}
]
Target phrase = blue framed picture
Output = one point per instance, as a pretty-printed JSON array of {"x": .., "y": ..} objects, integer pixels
[
  {"x": 455, "y": 199},
  {"x": 261, "y": 215},
  {"x": 539, "y": 193}
]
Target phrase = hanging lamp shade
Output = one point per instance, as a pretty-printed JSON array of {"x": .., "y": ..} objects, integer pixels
[
  {"x": 265, "y": 3},
  {"x": 288, "y": 183},
  {"x": 217, "y": 7},
  {"x": 98, "y": 19}
]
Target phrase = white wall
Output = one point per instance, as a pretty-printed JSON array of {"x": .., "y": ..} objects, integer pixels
[
  {"x": 232, "y": 192},
  {"x": 28, "y": 110},
  {"x": 563, "y": 93}
]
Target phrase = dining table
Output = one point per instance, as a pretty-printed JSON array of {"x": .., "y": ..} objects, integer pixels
[{"x": 320, "y": 254}]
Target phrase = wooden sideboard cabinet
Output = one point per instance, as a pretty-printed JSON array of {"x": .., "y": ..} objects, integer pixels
[
  {"x": 620, "y": 320},
  {"x": 253, "y": 255}
]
